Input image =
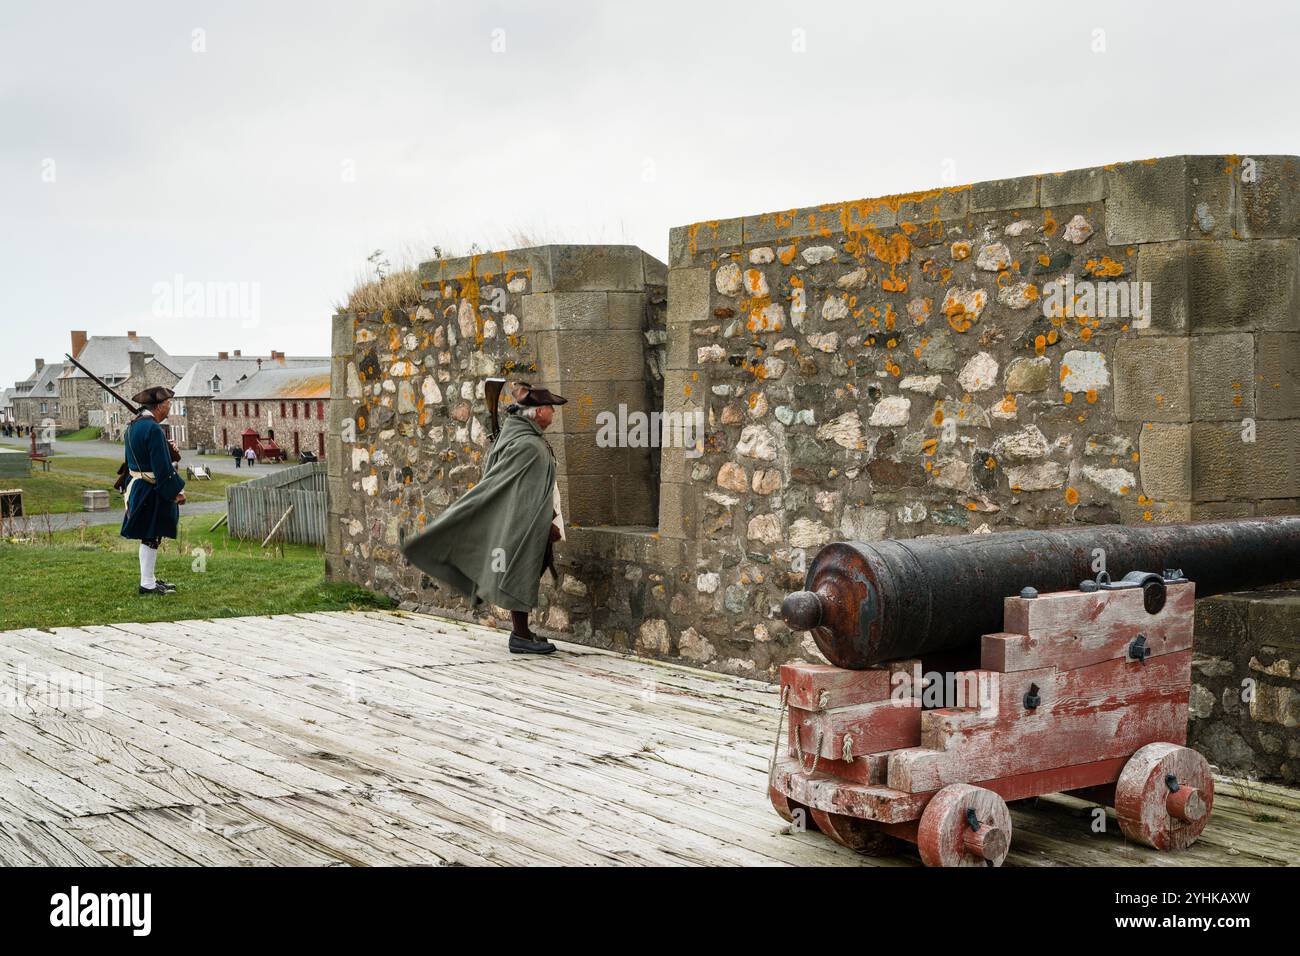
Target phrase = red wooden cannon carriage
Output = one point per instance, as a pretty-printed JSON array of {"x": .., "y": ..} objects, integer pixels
[
  {"x": 264, "y": 448},
  {"x": 1071, "y": 685},
  {"x": 1080, "y": 691}
]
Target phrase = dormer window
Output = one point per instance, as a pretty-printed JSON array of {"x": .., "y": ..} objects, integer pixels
[{"x": 216, "y": 384}]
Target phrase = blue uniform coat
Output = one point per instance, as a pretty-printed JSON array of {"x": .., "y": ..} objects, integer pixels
[{"x": 151, "y": 509}]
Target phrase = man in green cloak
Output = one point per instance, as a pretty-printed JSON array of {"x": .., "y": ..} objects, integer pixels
[{"x": 495, "y": 541}]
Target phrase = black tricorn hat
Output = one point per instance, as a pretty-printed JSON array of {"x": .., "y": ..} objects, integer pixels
[
  {"x": 529, "y": 396},
  {"x": 153, "y": 396}
]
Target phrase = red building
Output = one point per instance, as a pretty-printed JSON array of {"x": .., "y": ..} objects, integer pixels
[{"x": 287, "y": 405}]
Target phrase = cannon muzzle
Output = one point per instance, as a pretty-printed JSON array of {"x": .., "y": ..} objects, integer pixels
[{"x": 870, "y": 602}]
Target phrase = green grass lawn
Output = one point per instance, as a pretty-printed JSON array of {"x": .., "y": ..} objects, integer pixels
[
  {"x": 59, "y": 489},
  {"x": 85, "y": 434},
  {"x": 90, "y": 576}
]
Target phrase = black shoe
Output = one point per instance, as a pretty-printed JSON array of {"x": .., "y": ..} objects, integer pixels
[
  {"x": 167, "y": 585},
  {"x": 156, "y": 589},
  {"x": 530, "y": 645}
]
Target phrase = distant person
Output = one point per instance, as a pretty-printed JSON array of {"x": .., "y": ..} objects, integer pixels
[
  {"x": 250, "y": 456},
  {"x": 155, "y": 490},
  {"x": 239, "y": 456}
]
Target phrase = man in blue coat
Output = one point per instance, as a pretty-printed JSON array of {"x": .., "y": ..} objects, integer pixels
[{"x": 154, "y": 490}]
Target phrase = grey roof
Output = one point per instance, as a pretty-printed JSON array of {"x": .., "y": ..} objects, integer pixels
[
  {"x": 197, "y": 380},
  {"x": 297, "y": 382},
  {"x": 7, "y": 397},
  {"x": 46, "y": 383},
  {"x": 179, "y": 364},
  {"x": 110, "y": 355}
]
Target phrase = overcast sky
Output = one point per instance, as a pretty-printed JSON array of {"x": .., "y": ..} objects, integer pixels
[{"x": 284, "y": 142}]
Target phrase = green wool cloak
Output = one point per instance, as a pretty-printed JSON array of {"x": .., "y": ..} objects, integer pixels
[{"x": 490, "y": 544}]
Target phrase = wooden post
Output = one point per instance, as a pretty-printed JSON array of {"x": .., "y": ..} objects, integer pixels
[{"x": 282, "y": 520}]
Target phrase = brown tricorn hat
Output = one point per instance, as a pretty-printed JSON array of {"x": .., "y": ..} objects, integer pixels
[
  {"x": 153, "y": 396},
  {"x": 529, "y": 396}
]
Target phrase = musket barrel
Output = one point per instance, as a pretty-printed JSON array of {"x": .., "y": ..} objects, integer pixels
[{"x": 870, "y": 602}]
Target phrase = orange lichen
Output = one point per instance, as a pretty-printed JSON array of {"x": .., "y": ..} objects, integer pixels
[{"x": 1104, "y": 267}]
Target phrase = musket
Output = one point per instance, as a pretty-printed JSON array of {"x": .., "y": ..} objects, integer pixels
[
  {"x": 492, "y": 393},
  {"x": 104, "y": 385},
  {"x": 133, "y": 409}
]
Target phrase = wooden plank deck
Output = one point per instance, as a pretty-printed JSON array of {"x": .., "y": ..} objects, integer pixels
[{"x": 390, "y": 738}]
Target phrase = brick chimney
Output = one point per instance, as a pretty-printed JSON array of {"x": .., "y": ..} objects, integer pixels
[
  {"x": 223, "y": 356},
  {"x": 277, "y": 356},
  {"x": 78, "y": 343},
  {"x": 130, "y": 335},
  {"x": 137, "y": 364},
  {"x": 40, "y": 363}
]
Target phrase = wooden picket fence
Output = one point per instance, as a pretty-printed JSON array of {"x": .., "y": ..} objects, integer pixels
[{"x": 255, "y": 507}]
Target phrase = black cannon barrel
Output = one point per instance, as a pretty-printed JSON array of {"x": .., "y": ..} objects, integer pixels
[{"x": 870, "y": 602}]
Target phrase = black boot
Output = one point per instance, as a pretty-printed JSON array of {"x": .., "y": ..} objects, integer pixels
[
  {"x": 524, "y": 645},
  {"x": 523, "y": 640}
]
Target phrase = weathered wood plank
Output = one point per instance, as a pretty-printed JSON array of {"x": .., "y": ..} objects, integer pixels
[{"x": 391, "y": 738}]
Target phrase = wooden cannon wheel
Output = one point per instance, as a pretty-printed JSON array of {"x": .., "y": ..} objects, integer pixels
[
  {"x": 1164, "y": 796},
  {"x": 862, "y": 836},
  {"x": 788, "y": 810},
  {"x": 946, "y": 837}
]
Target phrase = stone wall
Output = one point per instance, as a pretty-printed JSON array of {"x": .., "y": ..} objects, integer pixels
[
  {"x": 200, "y": 425},
  {"x": 1108, "y": 344},
  {"x": 1245, "y": 702},
  {"x": 409, "y": 424},
  {"x": 114, "y": 415},
  {"x": 78, "y": 396}
]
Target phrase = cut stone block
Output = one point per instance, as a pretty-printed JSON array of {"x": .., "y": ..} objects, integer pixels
[
  {"x": 1235, "y": 286},
  {"x": 687, "y": 244},
  {"x": 1223, "y": 376},
  {"x": 1165, "y": 458},
  {"x": 1227, "y": 465},
  {"x": 1211, "y": 197},
  {"x": 1072, "y": 187},
  {"x": 997, "y": 194},
  {"x": 1146, "y": 201},
  {"x": 1268, "y": 196},
  {"x": 1152, "y": 381},
  {"x": 1164, "y": 265},
  {"x": 1277, "y": 384},
  {"x": 597, "y": 268}
]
